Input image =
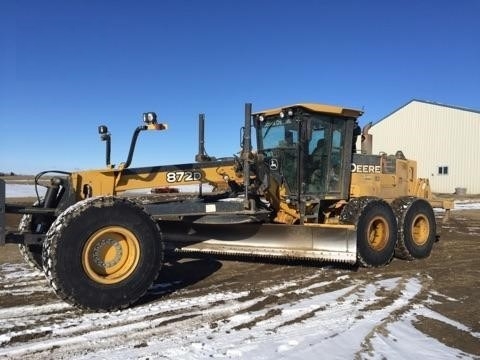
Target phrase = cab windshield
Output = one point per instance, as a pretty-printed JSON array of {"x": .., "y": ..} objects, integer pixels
[
  {"x": 278, "y": 143},
  {"x": 278, "y": 133}
]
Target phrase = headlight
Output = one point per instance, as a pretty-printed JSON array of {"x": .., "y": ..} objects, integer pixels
[{"x": 102, "y": 129}]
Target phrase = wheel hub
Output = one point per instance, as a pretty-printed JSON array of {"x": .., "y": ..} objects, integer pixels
[
  {"x": 110, "y": 255},
  {"x": 107, "y": 253},
  {"x": 420, "y": 230},
  {"x": 378, "y": 232}
]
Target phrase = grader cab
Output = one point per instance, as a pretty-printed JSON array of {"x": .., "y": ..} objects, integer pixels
[
  {"x": 303, "y": 193},
  {"x": 307, "y": 154}
]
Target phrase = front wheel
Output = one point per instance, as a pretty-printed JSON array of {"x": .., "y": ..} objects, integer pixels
[
  {"x": 376, "y": 234},
  {"x": 32, "y": 254},
  {"x": 103, "y": 253}
]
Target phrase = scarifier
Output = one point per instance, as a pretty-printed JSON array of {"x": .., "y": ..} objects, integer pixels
[{"x": 304, "y": 193}]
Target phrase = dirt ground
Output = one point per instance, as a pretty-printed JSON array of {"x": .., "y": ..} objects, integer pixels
[{"x": 451, "y": 274}]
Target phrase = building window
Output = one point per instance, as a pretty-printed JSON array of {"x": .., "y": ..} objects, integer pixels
[{"x": 443, "y": 170}]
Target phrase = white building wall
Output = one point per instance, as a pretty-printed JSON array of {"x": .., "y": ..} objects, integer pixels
[{"x": 436, "y": 136}]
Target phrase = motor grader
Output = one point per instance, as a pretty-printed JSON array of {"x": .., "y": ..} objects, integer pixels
[{"x": 304, "y": 193}]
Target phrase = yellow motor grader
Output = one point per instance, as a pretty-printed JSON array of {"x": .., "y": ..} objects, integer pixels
[{"x": 305, "y": 192}]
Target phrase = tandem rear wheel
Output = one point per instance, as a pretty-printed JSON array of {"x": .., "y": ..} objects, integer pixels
[
  {"x": 103, "y": 253},
  {"x": 416, "y": 228},
  {"x": 406, "y": 228},
  {"x": 376, "y": 234}
]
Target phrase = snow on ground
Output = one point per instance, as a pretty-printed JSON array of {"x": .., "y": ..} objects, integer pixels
[
  {"x": 359, "y": 319},
  {"x": 22, "y": 190},
  {"x": 467, "y": 204},
  {"x": 26, "y": 190}
]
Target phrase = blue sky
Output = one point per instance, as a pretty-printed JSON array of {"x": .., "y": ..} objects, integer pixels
[{"x": 68, "y": 66}]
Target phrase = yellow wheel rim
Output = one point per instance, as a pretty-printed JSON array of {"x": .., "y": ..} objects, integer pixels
[
  {"x": 420, "y": 230},
  {"x": 110, "y": 255},
  {"x": 378, "y": 233}
]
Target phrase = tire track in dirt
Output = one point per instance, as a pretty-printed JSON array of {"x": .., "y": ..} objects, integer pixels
[
  {"x": 25, "y": 325},
  {"x": 314, "y": 310}
]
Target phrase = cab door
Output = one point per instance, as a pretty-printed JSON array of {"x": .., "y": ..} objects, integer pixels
[{"x": 327, "y": 157}]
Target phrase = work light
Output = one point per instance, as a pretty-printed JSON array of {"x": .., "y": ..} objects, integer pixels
[{"x": 150, "y": 118}]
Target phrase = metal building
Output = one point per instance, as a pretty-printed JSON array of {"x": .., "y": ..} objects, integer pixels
[{"x": 443, "y": 139}]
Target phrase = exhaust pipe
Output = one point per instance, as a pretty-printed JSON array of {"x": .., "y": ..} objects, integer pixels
[
  {"x": 367, "y": 140},
  {"x": 202, "y": 155}
]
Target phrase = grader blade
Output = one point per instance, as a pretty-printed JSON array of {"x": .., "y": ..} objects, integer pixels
[{"x": 321, "y": 242}]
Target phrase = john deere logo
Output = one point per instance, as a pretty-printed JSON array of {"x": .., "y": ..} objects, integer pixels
[{"x": 273, "y": 164}]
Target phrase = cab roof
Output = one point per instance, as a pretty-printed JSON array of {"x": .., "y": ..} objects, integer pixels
[{"x": 318, "y": 108}]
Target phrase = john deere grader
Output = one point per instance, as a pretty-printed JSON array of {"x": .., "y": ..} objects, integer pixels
[{"x": 304, "y": 193}]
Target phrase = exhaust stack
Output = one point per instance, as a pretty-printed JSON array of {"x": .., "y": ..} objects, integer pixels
[
  {"x": 367, "y": 140},
  {"x": 202, "y": 154}
]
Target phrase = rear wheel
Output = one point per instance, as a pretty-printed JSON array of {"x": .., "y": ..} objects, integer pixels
[
  {"x": 103, "y": 254},
  {"x": 416, "y": 228},
  {"x": 376, "y": 234}
]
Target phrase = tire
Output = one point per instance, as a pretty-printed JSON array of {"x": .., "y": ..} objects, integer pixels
[
  {"x": 376, "y": 234},
  {"x": 416, "y": 228},
  {"x": 103, "y": 254},
  {"x": 32, "y": 253}
]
